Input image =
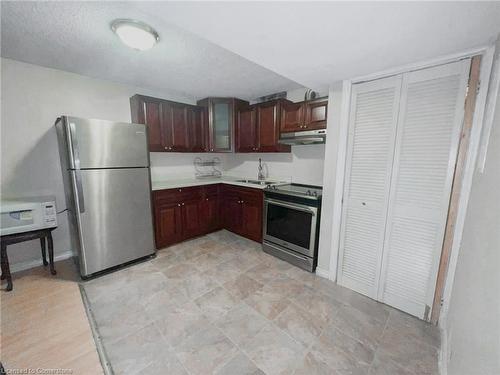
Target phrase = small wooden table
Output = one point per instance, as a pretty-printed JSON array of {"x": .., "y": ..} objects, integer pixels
[{"x": 10, "y": 239}]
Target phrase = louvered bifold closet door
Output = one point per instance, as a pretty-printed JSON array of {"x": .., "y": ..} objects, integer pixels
[
  {"x": 372, "y": 131},
  {"x": 429, "y": 127}
]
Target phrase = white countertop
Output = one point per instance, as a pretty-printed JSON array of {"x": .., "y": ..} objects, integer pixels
[{"x": 186, "y": 182}]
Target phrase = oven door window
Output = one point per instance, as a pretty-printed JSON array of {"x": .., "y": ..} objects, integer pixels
[{"x": 290, "y": 225}]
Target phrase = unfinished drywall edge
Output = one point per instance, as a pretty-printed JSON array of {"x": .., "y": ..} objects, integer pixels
[
  {"x": 468, "y": 177},
  {"x": 491, "y": 102}
]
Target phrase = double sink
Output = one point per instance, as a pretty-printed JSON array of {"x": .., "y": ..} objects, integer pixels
[{"x": 256, "y": 182}]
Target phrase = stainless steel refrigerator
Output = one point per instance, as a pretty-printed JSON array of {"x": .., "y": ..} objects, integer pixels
[{"x": 107, "y": 184}]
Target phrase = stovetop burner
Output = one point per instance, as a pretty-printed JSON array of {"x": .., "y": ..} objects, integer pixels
[{"x": 307, "y": 191}]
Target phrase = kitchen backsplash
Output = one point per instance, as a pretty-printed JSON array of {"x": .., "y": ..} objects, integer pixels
[{"x": 303, "y": 165}]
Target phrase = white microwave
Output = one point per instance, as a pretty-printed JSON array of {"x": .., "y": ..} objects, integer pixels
[{"x": 27, "y": 214}]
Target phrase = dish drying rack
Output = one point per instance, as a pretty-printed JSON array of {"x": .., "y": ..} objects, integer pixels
[{"x": 207, "y": 168}]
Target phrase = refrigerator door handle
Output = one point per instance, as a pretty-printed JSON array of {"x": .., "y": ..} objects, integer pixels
[
  {"x": 79, "y": 191},
  {"x": 74, "y": 145},
  {"x": 76, "y": 163}
]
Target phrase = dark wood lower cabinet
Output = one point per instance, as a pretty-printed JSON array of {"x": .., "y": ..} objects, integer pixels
[
  {"x": 185, "y": 213},
  {"x": 168, "y": 226},
  {"x": 191, "y": 223},
  {"x": 252, "y": 219},
  {"x": 232, "y": 213},
  {"x": 242, "y": 213},
  {"x": 209, "y": 214}
]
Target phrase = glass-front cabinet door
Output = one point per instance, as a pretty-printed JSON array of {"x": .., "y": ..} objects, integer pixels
[
  {"x": 221, "y": 122},
  {"x": 221, "y": 125}
]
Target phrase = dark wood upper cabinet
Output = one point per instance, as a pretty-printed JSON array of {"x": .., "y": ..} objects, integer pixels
[
  {"x": 258, "y": 128},
  {"x": 303, "y": 116},
  {"x": 197, "y": 129},
  {"x": 166, "y": 126},
  {"x": 224, "y": 124},
  {"x": 172, "y": 126},
  {"x": 268, "y": 127},
  {"x": 292, "y": 116},
  {"x": 147, "y": 111},
  {"x": 316, "y": 114},
  {"x": 246, "y": 134},
  {"x": 179, "y": 127}
]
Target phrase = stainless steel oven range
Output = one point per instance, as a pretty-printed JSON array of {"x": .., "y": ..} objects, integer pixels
[{"x": 291, "y": 223}]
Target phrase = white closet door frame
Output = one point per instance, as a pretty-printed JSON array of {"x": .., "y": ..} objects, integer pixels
[
  {"x": 380, "y": 84},
  {"x": 460, "y": 68}
]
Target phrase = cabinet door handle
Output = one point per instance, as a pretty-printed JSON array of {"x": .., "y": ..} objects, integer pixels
[
  {"x": 178, "y": 204},
  {"x": 180, "y": 190},
  {"x": 182, "y": 204}
]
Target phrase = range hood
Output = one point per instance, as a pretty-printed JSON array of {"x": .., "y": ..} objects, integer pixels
[{"x": 309, "y": 137}]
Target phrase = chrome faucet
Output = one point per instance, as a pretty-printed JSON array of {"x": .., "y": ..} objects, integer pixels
[{"x": 261, "y": 176}]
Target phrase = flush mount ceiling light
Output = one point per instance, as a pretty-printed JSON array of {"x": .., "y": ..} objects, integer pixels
[{"x": 135, "y": 34}]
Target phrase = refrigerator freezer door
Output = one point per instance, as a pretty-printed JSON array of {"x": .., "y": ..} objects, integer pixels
[
  {"x": 116, "y": 226},
  {"x": 105, "y": 144}
]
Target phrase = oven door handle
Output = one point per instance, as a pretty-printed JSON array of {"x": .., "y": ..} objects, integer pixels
[{"x": 292, "y": 206}]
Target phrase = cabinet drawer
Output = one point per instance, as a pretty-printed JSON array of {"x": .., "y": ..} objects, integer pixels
[
  {"x": 243, "y": 193},
  {"x": 177, "y": 195},
  {"x": 210, "y": 190}
]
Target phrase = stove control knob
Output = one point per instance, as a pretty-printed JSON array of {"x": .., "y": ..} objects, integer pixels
[{"x": 309, "y": 192}]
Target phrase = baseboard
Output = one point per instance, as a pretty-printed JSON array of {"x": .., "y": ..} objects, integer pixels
[
  {"x": 27, "y": 264},
  {"x": 323, "y": 273}
]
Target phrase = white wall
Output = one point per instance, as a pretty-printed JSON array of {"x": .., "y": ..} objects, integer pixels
[
  {"x": 332, "y": 183},
  {"x": 32, "y": 98},
  {"x": 473, "y": 321},
  {"x": 168, "y": 166}
]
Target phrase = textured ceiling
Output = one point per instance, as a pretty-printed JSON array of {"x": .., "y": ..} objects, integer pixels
[
  {"x": 317, "y": 43},
  {"x": 243, "y": 49},
  {"x": 76, "y": 37}
]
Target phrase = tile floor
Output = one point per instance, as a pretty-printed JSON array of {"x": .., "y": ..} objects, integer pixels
[{"x": 219, "y": 305}]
